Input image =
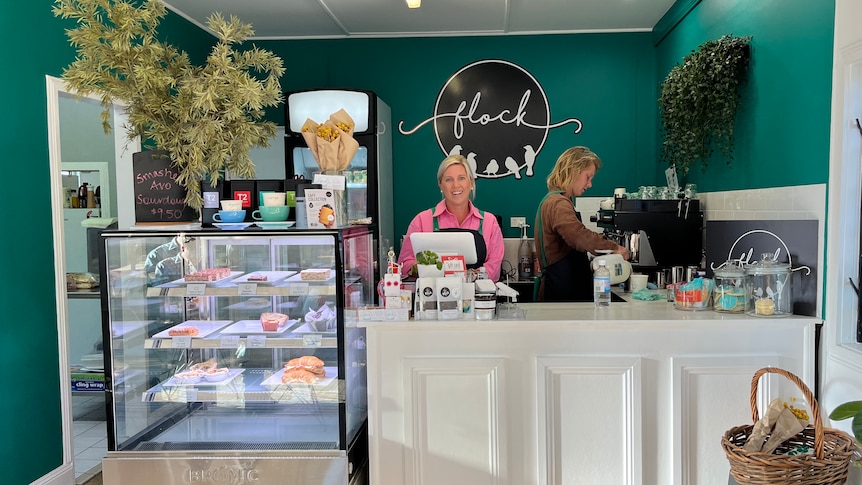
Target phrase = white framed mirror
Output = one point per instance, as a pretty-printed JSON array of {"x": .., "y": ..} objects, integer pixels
[{"x": 79, "y": 150}]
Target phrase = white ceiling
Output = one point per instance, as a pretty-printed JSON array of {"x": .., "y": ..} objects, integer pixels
[{"x": 298, "y": 19}]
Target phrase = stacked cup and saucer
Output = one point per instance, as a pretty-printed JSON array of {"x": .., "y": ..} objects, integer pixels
[
  {"x": 273, "y": 211},
  {"x": 231, "y": 217}
]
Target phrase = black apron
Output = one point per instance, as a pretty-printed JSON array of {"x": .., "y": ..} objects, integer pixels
[
  {"x": 569, "y": 279},
  {"x": 481, "y": 247}
]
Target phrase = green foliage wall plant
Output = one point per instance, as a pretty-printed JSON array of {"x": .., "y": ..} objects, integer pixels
[
  {"x": 207, "y": 117},
  {"x": 698, "y": 102}
]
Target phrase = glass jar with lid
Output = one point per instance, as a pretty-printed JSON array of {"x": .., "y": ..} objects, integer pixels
[
  {"x": 729, "y": 293},
  {"x": 767, "y": 288}
]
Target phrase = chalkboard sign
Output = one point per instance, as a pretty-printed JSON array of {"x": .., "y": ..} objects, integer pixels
[
  {"x": 795, "y": 241},
  {"x": 159, "y": 198}
]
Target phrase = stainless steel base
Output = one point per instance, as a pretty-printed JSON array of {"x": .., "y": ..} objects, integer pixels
[{"x": 225, "y": 468}]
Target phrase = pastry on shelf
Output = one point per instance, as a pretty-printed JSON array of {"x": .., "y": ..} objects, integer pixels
[
  {"x": 308, "y": 363},
  {"x": 315, "y": 274},
  {"x": 272, "y": 321}
]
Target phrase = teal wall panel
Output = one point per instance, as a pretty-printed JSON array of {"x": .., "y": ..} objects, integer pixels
[
  {"x": 782, "y": 128},
  {"x": 605, "y": 80},
  {"x": 31, "y": 436}
]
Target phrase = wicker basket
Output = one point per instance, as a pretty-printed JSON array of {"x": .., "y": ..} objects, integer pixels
[{"x": 833, "y": 449}]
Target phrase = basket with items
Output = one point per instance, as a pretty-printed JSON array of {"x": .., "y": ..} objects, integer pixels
[{"x": 784, "y": 447}]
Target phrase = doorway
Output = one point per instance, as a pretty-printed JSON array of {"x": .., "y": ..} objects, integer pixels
[{"x": 79, "y": 152}]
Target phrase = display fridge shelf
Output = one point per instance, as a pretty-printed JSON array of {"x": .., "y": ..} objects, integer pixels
[
  {"x": 246, "y": 289},
  {"x": 253, "y": 385},
  {"x": 262, "y": 341}
]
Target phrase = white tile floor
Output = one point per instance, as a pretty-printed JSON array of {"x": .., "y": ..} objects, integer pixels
[{"x": 90, "y": 442}]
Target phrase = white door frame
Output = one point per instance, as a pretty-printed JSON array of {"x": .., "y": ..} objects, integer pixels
[{"x": 65, "y": 473}]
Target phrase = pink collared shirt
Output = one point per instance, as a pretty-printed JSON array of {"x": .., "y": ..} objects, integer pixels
[{"x": 424, "y": 222}]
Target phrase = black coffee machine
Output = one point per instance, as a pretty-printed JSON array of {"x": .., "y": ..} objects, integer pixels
[{"x": 659, "y": 234}]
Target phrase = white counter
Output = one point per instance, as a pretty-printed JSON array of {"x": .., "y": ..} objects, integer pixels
[{"x": 638, "y": 393}]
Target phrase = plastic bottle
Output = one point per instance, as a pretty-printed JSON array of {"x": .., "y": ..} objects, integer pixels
[
  {"x": 602, "y": 285},
  {"x": 525, "y": 256}
]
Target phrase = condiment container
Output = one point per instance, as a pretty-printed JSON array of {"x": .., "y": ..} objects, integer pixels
[
  {"x": 767, "y": 288},
  {"x": 694, "y": 295},
  {"x": 729, "y": 293}
]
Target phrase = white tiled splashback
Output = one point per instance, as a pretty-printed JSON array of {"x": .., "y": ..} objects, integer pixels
[
  {"x": 801, "y": 202},
  {"x": 778, "y": 203}
]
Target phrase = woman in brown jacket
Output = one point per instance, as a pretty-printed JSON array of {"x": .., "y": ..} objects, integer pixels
[{"x": 562, "y": 237}]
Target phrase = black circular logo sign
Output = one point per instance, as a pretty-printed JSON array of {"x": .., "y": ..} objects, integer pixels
[
  {"x": 496, "y": 114},
  {"x": 444, "y": 292},
  {"x": 428, "y": 291}
]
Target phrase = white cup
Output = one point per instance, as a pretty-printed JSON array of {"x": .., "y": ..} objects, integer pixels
[
  {"x": 274, "y": 198},
  {"x": 638, "y": 282},
  {"x": 231, "y": 205}
]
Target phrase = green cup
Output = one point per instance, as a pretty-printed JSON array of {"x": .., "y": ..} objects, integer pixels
[{"x": 271, "y": 213}]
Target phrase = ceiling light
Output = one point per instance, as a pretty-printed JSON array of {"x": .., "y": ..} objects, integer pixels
[{"x": 414, "y": 3}]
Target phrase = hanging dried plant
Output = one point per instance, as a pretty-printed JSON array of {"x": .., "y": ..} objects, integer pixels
[{"x": 207, "y": 117}]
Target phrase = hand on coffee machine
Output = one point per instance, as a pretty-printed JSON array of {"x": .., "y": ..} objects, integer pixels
[{"x": 623, "y": 251}]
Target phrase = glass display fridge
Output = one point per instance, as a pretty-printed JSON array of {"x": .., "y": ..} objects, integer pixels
[
  {"x": 369, "y": 178},
  {"x": 233, "y": 356}
]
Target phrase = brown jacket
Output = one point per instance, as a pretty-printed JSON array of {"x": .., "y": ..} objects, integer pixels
[{"x": 562, "y": 231}]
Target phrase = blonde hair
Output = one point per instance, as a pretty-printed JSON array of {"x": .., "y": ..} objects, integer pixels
[
  {"x": 457, "y": 160},
  {"x": 569, "y": 165}
]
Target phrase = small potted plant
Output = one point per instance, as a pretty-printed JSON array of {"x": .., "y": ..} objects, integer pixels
[
  {"x": 698, "y": 102},
  {"x": 428, "y": 264},
  {"x": 206, "y": 118}
]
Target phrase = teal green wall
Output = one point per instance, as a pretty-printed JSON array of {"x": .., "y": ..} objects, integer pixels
[
  {"x": 30, "y": 438},
  {"x": 605, "y": 80},
  {"x": 609, "y": 81},
  {"x": 782, "y": 128}
]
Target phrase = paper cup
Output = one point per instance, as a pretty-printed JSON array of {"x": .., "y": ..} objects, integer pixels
[
  {"x": 274, "y": 199},
  {"x": 231, "y": 205},
  {"x": 638, "y": 282}
]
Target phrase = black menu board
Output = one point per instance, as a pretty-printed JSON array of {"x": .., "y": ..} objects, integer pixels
[
  {"x": 159, "y": 198},
  {"x": 794, "y": 240}
]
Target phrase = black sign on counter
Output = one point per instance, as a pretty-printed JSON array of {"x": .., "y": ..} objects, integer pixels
[
  {"x": 159, "y": 198},
  {"x": 796, "y": 241}
]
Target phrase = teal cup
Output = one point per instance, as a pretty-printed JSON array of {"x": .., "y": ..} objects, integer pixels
[
  {"x": 229, "y": 216},
  {"x": 271, "y": 213}
]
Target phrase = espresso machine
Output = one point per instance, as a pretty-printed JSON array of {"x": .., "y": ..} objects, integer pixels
[{"x": 659, "y": 234}]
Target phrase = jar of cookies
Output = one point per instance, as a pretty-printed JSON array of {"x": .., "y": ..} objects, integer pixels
[
  {"x": 729, "y": 293},
  {"x": 767, "y": 288}
]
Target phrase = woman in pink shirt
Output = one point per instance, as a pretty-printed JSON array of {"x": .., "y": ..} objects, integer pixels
[{"x": 456, "y": 211}]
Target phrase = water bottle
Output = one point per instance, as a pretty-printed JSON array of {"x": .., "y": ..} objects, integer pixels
[
  {"x": 525, "y": 256},
  {"x": 602, "y": 286}
]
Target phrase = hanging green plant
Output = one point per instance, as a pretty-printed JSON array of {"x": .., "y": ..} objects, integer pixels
[
  {"x": 206, "y": 117},
  {"x": 698, "y": 102}
]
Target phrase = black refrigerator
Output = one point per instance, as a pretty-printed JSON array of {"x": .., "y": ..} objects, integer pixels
[{"x": 369, "y": 181}]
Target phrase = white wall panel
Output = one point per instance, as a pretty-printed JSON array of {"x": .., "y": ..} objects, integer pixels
[
  {"x": 591, "y": 412},
  {"x": 711, "y": 396},
  {"x": 455, "y": 419}
]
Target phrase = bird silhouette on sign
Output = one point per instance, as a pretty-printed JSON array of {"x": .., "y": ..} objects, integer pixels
[
  {"x": 456, "y": 150},
  {"x": 471, "y": 159},
  {"x": 529, "y": 158},
  {"x": 513, "y": 167},
  {"x": 492, "y": 167}
]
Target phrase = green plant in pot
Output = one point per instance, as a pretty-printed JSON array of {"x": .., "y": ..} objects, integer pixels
[
  {"x": 850, "y": 409},
  {"x": 428, "y": 264},
  {"x": 699, "y": 100},
  {"x": 206, "y": 118}
]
